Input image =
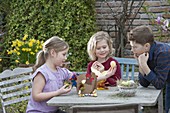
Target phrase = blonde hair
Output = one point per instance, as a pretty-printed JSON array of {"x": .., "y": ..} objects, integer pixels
[
  {"x": 91, "y": 47},
  {"x": 55, "y": 43}
]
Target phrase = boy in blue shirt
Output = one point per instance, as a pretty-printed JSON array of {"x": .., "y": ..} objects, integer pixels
[{"x": 153, "y": 59}]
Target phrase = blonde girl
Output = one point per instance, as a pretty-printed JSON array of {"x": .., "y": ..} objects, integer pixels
[
  {"x": 48, "y": 77},
  {"x": 100, "y": 51}
]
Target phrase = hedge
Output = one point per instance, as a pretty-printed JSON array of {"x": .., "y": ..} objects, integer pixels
[{"x": 72, "y": 20}]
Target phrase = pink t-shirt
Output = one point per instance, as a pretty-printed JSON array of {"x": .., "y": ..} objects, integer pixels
[
  {"x": 112, "y": 79},
  {"x": 54, "y": 81}
]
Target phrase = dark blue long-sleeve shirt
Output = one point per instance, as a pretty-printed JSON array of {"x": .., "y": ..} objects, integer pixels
[{"x": 159, "y": 64}]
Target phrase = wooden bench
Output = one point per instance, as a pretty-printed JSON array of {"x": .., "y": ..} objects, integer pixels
[{"x": 15, "y": 86}]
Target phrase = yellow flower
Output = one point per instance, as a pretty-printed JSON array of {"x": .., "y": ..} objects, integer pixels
[
  {"x": 32, "y": 40},
  {"x": 27, "y": 62},
  {"x": 24, "y": 50},
  {"x": 32, "y": 53},
  {"x": 14, "y": 50},
  {"x": 25, "y": 37},
  {"x": 30, "y": 44},
  {"x": 19, "y": 43},
  {"x": 9, "y": 52},
  {"x": 16, "y": 61},
  {"x": 18, "y": 53},
  {"x": 14, "y": 43},
  {"x": 0, "y": 59},
  {"x": 17, "y": 48},
  {"x": 38, "y": 42}
]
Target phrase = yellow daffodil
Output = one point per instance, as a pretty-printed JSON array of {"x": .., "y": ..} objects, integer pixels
[
  {"x": 16, "y": 61},
  {"x": 38, "y": 42},
  {"x": 9, "y": 52},
  {"x": 18, "y": 53},
  {"x": 17, "y": 48},
  {"x": 25, "y": 37},
  {"x": 24, "y": 50},
  {"x": 14, "y": 43},
  {"x": 27, "y": 62},
  {"x": 32, "y": 53},
  {"x": 30, "y": 44}
]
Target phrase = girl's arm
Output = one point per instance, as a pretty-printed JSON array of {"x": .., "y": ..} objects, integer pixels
[
  {"x": 38, "y": 85},
  {"x": 110, "y": 72}
]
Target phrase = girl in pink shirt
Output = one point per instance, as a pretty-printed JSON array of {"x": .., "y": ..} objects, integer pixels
[{"x": 48, "y": 77}]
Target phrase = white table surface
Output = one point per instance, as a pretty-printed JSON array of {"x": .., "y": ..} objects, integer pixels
[{"x": 144, "y": 97}]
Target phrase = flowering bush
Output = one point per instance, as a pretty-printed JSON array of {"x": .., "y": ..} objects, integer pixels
[
  {"x": 164, "y": 23},
  {"x": 160, "y": 23},
  {"x": 24, "y": 51}
]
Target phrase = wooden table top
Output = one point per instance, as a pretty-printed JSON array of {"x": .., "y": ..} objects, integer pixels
[{"x": 144, "y": 97}]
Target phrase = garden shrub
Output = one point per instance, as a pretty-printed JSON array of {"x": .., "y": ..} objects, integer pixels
[{"x": 74, "y": 21}]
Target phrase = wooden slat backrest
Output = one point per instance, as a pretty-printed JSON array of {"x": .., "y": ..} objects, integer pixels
[
  {"x": 115, "y": 108},
  {"x": 15, "y": 86},
  {"x": 128, "y": 66}
]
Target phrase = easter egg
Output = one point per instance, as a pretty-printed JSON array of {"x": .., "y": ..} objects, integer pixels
[
  {"x": 124, "y": 83},
  {"x": 112, "y": 64}
]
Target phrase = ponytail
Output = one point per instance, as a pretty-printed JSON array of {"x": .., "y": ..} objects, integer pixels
[{"x": 40, "y": 60}]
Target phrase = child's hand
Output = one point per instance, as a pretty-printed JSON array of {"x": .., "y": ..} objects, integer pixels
[
  {"x": 143, "y": 66},
  {"x": 143, "y": 58},
  {"x": 111, "y": 71},
  {"x": 98, "y": 66},
  {"x": 65, "y": 89},
  {"x": 135, "y": 56}
]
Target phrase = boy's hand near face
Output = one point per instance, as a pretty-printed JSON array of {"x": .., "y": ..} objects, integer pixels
[
  {"x": 142, "y": 59},
  {"x": 135, "y": 56},
  {"x": 143, "y": 66}
]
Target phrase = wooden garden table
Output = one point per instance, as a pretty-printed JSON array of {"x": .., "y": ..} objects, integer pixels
[{"x": 144, "y": 97}]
